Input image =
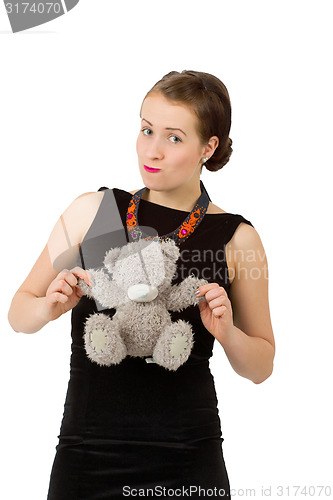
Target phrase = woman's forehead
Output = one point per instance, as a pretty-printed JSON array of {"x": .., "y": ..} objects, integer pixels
[{"x": 161, "y": 112}]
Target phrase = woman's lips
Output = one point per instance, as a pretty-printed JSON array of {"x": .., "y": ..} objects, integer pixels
[{"x": 149, "y": 169}]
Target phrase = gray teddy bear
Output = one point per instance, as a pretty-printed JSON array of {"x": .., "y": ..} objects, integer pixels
[{"x": 138, "y": 285}]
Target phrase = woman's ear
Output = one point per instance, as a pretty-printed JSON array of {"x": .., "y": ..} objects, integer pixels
[{"x": 211, "y": 146}]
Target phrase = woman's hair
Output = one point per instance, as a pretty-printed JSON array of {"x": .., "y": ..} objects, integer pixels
[{"x": 209, "y": 99}]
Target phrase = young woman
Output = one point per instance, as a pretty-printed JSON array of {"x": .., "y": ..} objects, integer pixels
[{"x": 135, "y": 425}]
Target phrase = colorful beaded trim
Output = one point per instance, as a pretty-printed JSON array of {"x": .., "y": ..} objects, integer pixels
[{"x": 181, "y": 233}]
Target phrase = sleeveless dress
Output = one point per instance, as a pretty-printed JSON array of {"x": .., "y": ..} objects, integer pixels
[{"x": 137, "y": 428}]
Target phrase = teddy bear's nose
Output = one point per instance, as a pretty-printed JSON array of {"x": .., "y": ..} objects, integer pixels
[{"x": 142, "y": 292}]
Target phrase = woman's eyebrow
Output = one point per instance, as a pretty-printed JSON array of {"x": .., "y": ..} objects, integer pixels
[{"x": 167, "y": 128}]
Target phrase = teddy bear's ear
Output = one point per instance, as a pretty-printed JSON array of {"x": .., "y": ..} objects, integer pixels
[
  {"x": 110, "y": 258},
  {"x": 170, "y": 249}
]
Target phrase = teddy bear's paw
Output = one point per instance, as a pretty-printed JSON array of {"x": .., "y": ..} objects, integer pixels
[
  {"x": 193, "y": 284},
  {"x": 101, "y": 287},
  {"x": 103, "y": 342},
  {"x": 86, "y": 289},
  {"x": 174, "y": 345}
]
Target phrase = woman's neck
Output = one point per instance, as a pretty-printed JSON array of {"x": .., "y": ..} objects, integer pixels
[{"x": 179, "y": 199}]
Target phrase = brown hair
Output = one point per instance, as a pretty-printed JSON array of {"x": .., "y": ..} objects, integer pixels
[{"x": 209, "y": 99}]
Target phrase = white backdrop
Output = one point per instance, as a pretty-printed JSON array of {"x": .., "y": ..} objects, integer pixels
[{"x": 71, "y": 92}]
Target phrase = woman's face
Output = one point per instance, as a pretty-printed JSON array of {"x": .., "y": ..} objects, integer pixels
[{"x": 177, "y": 153}]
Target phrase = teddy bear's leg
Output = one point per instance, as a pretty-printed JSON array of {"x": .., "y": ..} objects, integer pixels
[
  {"x": 102, "y": 339},
  {"x": 174, "y": 345}
]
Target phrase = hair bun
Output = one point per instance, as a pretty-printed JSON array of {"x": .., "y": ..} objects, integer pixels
[{"x": 220, "y": 157}]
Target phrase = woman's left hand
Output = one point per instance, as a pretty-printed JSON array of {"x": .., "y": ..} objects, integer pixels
[{"x": 216, "y": 313}]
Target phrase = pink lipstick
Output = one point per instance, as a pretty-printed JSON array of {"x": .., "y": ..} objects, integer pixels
[{"x": 149, "y": 169}]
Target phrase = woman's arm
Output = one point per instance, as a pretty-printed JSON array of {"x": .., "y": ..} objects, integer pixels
[
  {"x": 241, "y": 322},
  {"x": 27, "y": 310},
  {"x": 49, "y": 290}
]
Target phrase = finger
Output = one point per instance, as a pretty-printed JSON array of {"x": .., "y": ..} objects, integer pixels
[
  {"x": 217, "y": 302},
  {"x": 68, "y": 276},
  {"x": 82, "y": 273},
  {"x": 57, "y": 297},
  {"x": 205, "y": 288},
  {"x": 60, "y": 286},
  {"x": 219, "y": 312},
  {"x": 216, "y": 293},
  {"x": 64, "y": 287}
]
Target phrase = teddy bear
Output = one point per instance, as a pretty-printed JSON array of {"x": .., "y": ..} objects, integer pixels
[{"x": 136, "y": 281}]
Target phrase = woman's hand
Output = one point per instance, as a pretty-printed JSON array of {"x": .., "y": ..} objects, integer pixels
[
  {"x": 63, "y": 294},
  {"x": 216, "y": 313}
]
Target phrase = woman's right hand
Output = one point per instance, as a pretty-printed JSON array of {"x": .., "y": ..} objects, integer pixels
[{"x": 63, "y": 294}]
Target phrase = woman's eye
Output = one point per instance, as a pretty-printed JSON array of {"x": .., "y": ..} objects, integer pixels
[
  {"x": 149, "y": 132},
  {"x": 145, "y": 130}
]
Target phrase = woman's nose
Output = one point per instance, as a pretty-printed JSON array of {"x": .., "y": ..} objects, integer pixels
[{"x": 155, "y": 149}]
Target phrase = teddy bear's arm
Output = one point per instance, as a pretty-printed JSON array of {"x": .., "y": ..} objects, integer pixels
[
  {"x": 182, "y": 295},
  {"x": 103, "y": 289}
]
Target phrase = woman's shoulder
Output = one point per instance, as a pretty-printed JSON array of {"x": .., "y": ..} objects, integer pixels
[
  {"x": 88, "y": 202},
  {"x": 80, "y": 214},
  {"x": 214, "y": 209},
  {"x": 91, "y": 195}
]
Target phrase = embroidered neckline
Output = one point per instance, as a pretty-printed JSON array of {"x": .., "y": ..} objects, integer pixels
[{"x": 182, "y": 232}]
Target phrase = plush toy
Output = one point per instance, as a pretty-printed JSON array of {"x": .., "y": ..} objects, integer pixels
[{"x": 137, "y": 283}]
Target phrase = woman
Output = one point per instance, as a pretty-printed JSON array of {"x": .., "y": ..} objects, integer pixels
[{"x": 135, "y": 425}]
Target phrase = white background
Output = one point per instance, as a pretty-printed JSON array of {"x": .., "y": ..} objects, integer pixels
[{"x": 71, "y": 92}]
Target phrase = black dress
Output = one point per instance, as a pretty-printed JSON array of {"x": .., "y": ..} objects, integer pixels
[{"x": 136, "y": 425}]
